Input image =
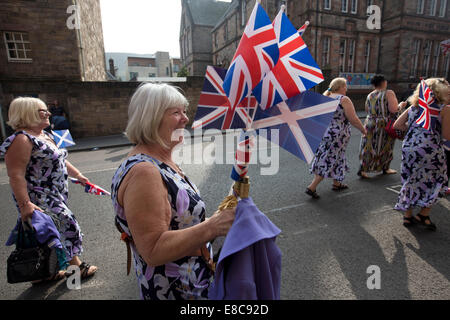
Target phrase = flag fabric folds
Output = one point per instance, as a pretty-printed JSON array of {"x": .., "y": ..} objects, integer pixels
[
  {"x": 63, "y": 138},
  {"x": 92, "y": 188},
  {"x": 255, "y": 56},
  {"x": 214, "y": 109},
  {"x": 430, "y": 110},
  {"x": 243, "y": 153},
  {"x": 301, "y": 121},
  {"x": 295, "y": 72}
]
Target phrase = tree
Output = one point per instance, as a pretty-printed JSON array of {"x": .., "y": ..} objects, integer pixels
[{"x": 183, "y": 72}]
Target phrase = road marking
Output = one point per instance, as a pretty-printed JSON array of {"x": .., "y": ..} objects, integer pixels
[
  {"x": 445, "y": 203},
  {"x": 393, "y": 188},
  {"x": 310, "y": 230},
  {"x": 286, "y": 208}
]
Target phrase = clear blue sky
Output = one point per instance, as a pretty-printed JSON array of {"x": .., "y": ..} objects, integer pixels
[{"x": 141, "y": 26}]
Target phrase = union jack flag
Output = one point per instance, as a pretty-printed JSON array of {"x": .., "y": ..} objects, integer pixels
[
  {"x": 295, "y": 72},
  {"x": 214, "y": 109},
  {"x": 430, "y": 109},
  {"x": 301, "y": 121},
  {"x": 255, "y": 56},
  {"x": 92, "y": 188},
  {"x": 243, "y": 155},
  {"x": 445, "y": 45},
  {"x": 302, "y": 30}
]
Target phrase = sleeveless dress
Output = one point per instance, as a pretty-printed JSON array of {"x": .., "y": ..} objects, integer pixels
[
  {"x": 377, "y": 147},
  {"x": 189, "y": 277},
  {"x": 47, "y": 184},
  {"x": 424, "y": 167},
  {"x": 330, "y": 160}
]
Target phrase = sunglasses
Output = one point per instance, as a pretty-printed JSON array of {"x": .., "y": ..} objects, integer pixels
[{"x": 45, "y": 111}]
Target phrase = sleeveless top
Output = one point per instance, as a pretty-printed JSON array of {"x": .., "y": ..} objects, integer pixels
[
  {"x": 377, "y": 105},
  {"x": 188, "y": 277}
]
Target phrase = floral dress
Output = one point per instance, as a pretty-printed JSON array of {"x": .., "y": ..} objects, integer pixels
[
  {"x": 424, "y": 168},
  {"x": 47, "y": 185},
  {"x": 189, "y": 277},
  {"x": 330, "y": 160},
  {"x": 377, "y": 147}
]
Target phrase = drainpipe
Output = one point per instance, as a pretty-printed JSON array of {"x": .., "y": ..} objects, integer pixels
[
  {"x": 379, "y": 39},
  {"x": 80, "y": 44}
]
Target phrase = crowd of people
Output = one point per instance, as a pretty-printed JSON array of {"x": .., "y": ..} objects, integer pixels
[{"x": 159, "y": 210}]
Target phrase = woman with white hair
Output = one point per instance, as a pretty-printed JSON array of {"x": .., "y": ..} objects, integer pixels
[
  {"x": 158, "y": 208},
  {"x": 424, "y": 167},
  {"x": 38, "y": 173},
  {"x": 330, "y": 161}
]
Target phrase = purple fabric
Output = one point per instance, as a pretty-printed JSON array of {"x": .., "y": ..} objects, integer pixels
[
  {"x": 46, "y": 231},
  {"x": 249, "y": 266}
]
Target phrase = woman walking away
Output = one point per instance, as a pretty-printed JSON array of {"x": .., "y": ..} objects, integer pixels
[
  {"x": 330, "y": 161},
  {"x": 377, "y": 147},
  {"x": 424, "y": 167}
]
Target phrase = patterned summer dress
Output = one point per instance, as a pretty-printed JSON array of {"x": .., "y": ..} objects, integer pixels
[
  {"x": 47, "y": 185},
  {"x": 189, "y": 277},
  {"x": 424, "y": 168},
  {"x": 330, "y": 160},
  {"x": 377, "y": 147}
]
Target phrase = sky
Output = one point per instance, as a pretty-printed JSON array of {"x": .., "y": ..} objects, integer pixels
[{"x": 141, "y": 26}]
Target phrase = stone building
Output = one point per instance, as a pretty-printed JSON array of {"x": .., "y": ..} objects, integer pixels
[{"x": 198, "y": 18}]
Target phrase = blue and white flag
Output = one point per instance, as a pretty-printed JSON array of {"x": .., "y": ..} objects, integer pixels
[{"x": 62, "y": 138}]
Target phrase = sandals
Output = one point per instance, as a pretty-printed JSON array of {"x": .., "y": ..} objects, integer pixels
[
  {"x": 363, "y": 175},
  {"x": 312, "y": 193},
  {"x": 431, "y": 226},
  {"x": 84, "y": 271},
  {"x": 408, "y": 221},
  {"x": 56, "y": 277},
  {"x": 339, "y": 187}
]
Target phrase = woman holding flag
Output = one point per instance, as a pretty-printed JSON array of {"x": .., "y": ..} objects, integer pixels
[
  {"x": 330, "y": 161},
  {"x": 38, "y": 174},
  {"x": 424, "y": 168}
]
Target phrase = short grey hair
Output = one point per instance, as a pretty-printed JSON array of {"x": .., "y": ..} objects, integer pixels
[{"x": 146, "y": 110}]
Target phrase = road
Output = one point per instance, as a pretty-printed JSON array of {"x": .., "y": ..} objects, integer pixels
[{"x": 327, "y": 244}]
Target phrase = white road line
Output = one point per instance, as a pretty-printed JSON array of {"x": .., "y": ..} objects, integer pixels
[
  {"x": 286, "y": 208},
  {"x": 445, "y": 203},
  {"x": 310, "y": 230}
]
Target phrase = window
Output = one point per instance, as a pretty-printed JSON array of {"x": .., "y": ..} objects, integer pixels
[
  {"x": 432, "y": 9},
  {"x": 243, "y": 12},
  {"x": 134, "y": 75},
  {"x": 151, "y": 75},
  {"x": 327, "y": 4},
  {"x": 342, "y": 54},
  {"x": 443, "y": 8},
  {"x": 326, "y": 51},
  {"x": 215, "y": 40},
  {"x": 351, "y": 55},
  {"x": 415, "y": 58},
  {"x": 167, "y": 71},
  {"x": 437, "y": 52},
  {"x": 426, "y": 57},
  {"x": 354, "y": 6},
  {"x": 18, "y": 46},
  {"x": 344, "y": 5},
  {"x": 420, "y": 6},
  {"x": 367, "y": 57}
]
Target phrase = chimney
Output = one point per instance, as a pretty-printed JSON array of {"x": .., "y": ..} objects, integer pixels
[{"x": 111, "y": 67}]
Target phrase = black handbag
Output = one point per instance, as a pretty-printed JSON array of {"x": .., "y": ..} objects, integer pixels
[{"x": 30, "y": 260}]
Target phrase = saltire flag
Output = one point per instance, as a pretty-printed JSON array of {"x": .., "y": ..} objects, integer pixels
[
  {"x": 255, "y": 56},
  {"x": 430, "y": 109},
  {"x": 92, "y": 188},
  {"x": 301, "y": 121},
  {"x": 445, "y": 45},
  {"x": 302, "y": 30},
  {"x": 295, "y": 72},
  {"x": 243, "y": 154},
  {"x": 214, "y": 109},
  {"x": 63, "y": 138}
]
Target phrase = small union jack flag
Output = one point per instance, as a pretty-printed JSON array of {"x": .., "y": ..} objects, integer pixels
[
  {"x": 255, "y": 56},
  {"x": 243, "y": 155},
  {"x": 92, "y": 188},
  {"x": 445, "y": 45},
  {"x": 430, "y": 109},
  {"x": 295, "y": 72},
  {"x": 302, "y": 30},
  {"x": 214, "y": 109}
]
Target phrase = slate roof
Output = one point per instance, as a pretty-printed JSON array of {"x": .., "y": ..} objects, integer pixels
[{"x": 207, "y": 12}]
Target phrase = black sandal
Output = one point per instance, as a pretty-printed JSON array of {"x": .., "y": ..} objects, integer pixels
[
  {"x": 312, "y": 193},
  {"x": 423, "y": 220},
  {"x": 410, "y": 223},
  {"x": 84, "y": 271},
  {"x": 339, "y": 187}
]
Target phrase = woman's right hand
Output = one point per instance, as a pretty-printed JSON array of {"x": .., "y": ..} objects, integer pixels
[
  {"x": 222, "y": 221},
  {"x": 26, "y": 212}
]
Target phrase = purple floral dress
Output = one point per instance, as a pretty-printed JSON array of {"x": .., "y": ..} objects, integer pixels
[
  {"x": 330, "y": 160},
  {"x": 424, "y": 168},
  {"x": 47, "y": 185},
  {"x": 189, "y": 277}
]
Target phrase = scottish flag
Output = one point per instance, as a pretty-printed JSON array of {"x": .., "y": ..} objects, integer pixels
[{"x": 62, "y": 138}]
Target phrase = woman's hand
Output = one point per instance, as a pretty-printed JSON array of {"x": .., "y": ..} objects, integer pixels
[
  {"x": 82, "y": 179},
  {"x": 364, "y": 132},
  {"x": 402, "y": 106},
  {"x": 222, "y": 221},
  {"x": 27, "y": 210}
]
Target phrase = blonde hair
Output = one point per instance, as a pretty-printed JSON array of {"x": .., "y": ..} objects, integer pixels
[
  {"x": 335, "y": 85},
  {"x": 145, "y": 112},
  {"x": 24, "y": 112},
  {"x": 439, "y": 86}
]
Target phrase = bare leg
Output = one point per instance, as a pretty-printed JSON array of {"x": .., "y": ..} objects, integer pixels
[
  {"x": 76, "y": 262},
  {"x": 317, "y": 179}
]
